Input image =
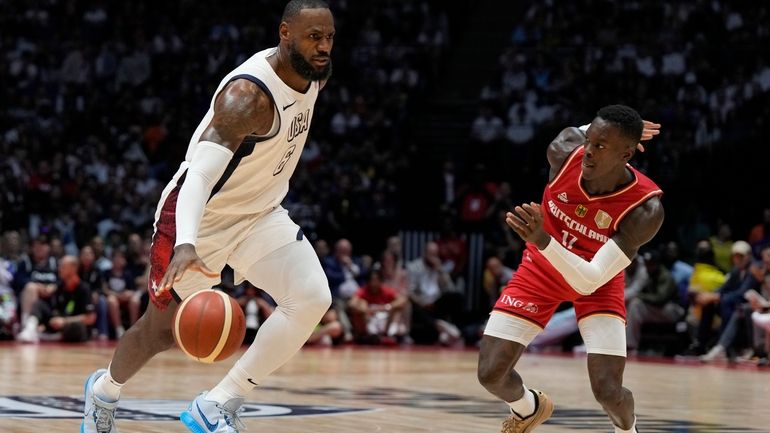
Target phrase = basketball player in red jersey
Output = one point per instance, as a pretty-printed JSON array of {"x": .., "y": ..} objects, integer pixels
[
  {"x": 597, "y": 211},
  {"x": 223, "y": 207}
]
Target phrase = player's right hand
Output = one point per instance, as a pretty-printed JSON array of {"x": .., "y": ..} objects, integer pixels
[
  {"x": 185, "y": 257},
  {"x": 527, "y": 221}
]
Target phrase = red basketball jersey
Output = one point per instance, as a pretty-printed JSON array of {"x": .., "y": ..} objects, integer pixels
[{"x": 580, "y": 221}]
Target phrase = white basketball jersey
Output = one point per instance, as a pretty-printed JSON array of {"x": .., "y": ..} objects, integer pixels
[{"x": 257, "y": 178}]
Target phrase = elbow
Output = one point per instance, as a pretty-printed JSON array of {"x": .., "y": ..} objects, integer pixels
[
  {"x": 584, "y": 288},
  {"x": 586, "y": 283}
]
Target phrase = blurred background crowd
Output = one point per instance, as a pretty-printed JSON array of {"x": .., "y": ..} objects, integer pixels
[{"x": 434, "y": 124}]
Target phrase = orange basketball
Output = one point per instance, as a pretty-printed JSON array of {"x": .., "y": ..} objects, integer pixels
[{"x": 209, "y": 326}]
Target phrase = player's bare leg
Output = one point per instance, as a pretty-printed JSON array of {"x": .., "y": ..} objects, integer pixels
[
  {"x": 150, "y": 335},
  {"x": 496, "y": 373},
  {"x": 606, "y": 374},
  {"x": 497, "y": 359}
]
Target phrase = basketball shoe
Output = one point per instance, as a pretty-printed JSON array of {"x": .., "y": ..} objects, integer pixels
[
  {"x": 98, "y": 415},
  {"x": 206, "y": 416},
  {"x": 543, "y": 411}
]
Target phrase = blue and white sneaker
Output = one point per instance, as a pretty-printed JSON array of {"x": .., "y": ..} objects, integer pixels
[
  {"x": 206, "y": 416},
  {"x": 98, "y": 415}
]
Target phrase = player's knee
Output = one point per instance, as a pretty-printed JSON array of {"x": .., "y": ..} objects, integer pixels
[
  {"x": 492, "y": 371},
  {"x": 315, "y": 295},
  {"x": 607, "y": 391},
  {"x": 154, "y": 337}
]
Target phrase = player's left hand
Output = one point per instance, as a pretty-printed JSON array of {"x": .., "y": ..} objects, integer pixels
[
  {"x": 649, "y": 131},
  {"x": 527, "y": 221}
]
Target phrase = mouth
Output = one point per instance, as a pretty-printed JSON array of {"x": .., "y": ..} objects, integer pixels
[
  {"x": 320, "y": 61},
  {"x": 587, "y": 164}
]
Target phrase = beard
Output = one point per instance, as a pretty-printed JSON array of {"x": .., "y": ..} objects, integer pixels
[{"x": 305, "y": 69}]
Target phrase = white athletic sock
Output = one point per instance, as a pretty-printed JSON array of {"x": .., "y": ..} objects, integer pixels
[
  {"x": 107, "y": 388},
  {"x": 236, "y": 384},
  {"x": 524, "y": 406},
  {"x": 631, "y": 430}
]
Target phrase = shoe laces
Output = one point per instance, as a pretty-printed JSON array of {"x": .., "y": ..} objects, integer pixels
[
  {"x": 510, "y": 424},
  {"x": 104, "y": 418},
  {"x": 232, "y": 418}
]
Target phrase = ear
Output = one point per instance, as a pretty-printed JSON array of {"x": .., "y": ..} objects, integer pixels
[
  {"x": 283, "y": 31},
  {"x": 629, "y": 153}
]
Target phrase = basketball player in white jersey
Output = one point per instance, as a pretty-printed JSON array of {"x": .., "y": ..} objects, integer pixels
[{"x": 223, "y": 207}]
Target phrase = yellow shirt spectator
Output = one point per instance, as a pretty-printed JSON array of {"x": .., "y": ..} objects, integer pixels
[{"x": 706, "y": 278}]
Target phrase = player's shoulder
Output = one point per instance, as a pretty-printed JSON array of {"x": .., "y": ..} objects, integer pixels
[
  {"x": 563, "y": 145},
  {"x": 244, "y": 96}
]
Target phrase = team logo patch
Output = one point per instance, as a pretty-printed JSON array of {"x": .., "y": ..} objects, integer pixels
[
  {"x": 58, "y": 407},
  {"x": 602, "y": 219},
  {"x": 562, "y": 197},
  {"x": 581, "y": 210}
]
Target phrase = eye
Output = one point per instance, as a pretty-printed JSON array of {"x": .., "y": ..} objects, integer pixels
[{"x": 315, "y": 36}]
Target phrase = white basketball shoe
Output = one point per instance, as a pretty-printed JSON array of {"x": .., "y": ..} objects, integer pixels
[{"x": 206, "y": 416}]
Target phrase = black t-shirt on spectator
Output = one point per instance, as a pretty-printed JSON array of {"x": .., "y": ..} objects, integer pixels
[
  {"x": 44, "y": 272},
  {"x": 68, "y": 303}
]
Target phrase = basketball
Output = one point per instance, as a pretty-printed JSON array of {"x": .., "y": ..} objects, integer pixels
[{"x": 209, "y": 326}]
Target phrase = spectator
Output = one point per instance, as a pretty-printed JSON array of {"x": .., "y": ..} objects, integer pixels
[
  {"x": 761, "y": 319},
  {"x": 730, "y": 297},
  {"x": 722, "y": 245},
  {"x": 453, "y": 252},
  {"x": 637, "y": 277},
  {"x": 344, "y": 273},
  {"x": 120, "y": 289},
  {"x": 255, "y": 308},
  {"x": 376, "y": 310},
  {"x": 36, "y": 275},
  {"x": 496, "y": 275},
  {"x": 93, "y": 277},
  {"x": 328, "y": 331},
  {"x": 68, "y": 312},
  {"x": 704, "y": 282},
  {"x": 680, "y": 270},
  {"x": 436, "y": 305},
  {"x": 343, "y": 270},
  {"x": 760, "y": 233},
  {"x": 7, "y": 301},
  {"x": 393, "y": 266},
  {"x": 657, "y": 301}
]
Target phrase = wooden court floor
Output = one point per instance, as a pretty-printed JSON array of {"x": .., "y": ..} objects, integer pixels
[{"x": 376, "y": 390}]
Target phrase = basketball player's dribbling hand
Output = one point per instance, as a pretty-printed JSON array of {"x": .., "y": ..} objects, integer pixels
[
  {"x": 185, "y": 258},
  {"x": 649, "y": 130},
  {"x": 527, "y": 221}
]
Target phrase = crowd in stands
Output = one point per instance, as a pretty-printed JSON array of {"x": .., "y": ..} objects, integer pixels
[
  {"x": 563, "y": 61},
  {"x": 96, "y": 118}
]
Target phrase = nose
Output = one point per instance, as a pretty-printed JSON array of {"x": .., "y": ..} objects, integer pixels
[{"x": 324, "y": 46}]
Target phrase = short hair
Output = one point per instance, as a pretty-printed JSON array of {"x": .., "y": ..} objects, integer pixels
[
  {"x": 294, "y": 7},
  {"x": 624, "y": 118}
]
